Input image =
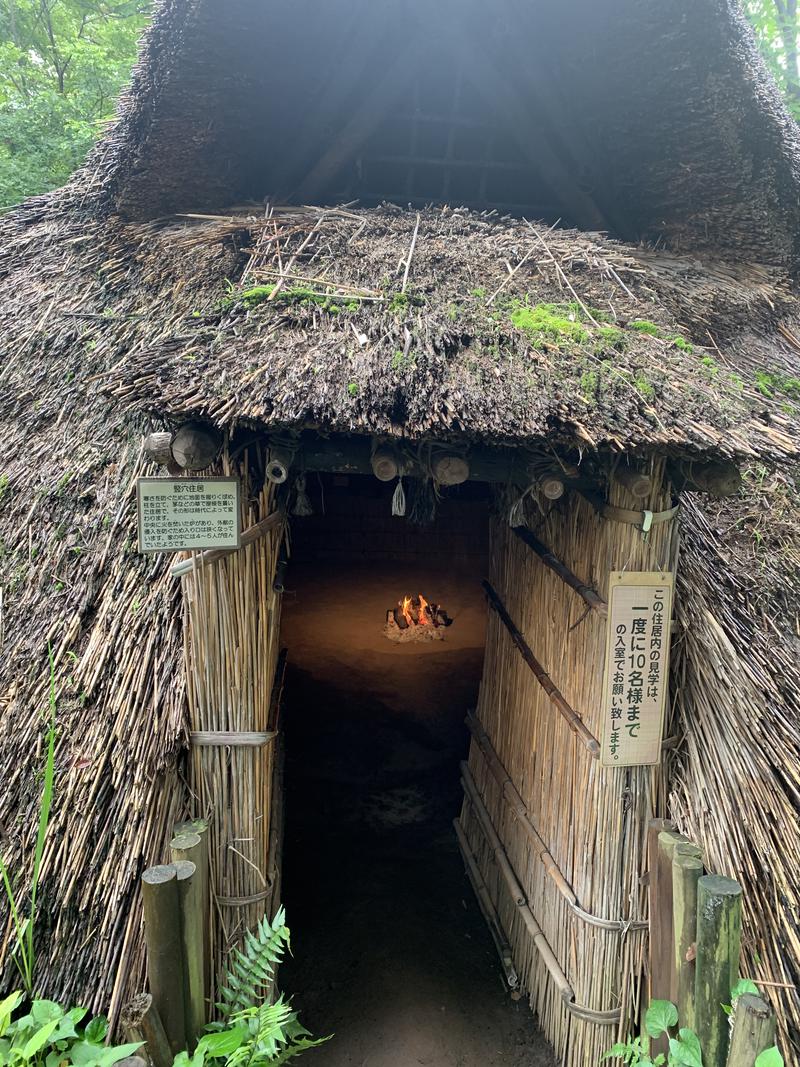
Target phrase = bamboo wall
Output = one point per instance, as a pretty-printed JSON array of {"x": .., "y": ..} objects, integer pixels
[
  {"x": 593, "y": 820},
  {"x": 232, "y": 634}
]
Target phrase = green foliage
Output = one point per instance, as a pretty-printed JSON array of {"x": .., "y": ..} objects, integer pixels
[
  {"x": 24, "y": 919},
  {"x": 644, "y": 386},
  {"x": 48, "y": 1036},
  {"x": 62, "y": 63},
  {"x": 352, "y": 389},
  {"x": 684, "y": 1046},
  {"x": 3, "y": 485},
  {"x": 554, "y": 323},
  {"x": 770, "y": 1057},
  {"x": 298, "y": 294},
  {"x": 251, "y": 970},
  {"x": 768, "y": 384},
  {"x": 776, "y": 28},
  {"x": 644, "y": 326},
  {"x": 267, "y": 1034}
]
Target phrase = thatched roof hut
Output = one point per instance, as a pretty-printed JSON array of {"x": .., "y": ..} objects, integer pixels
[{"x": 157, "y": 289}]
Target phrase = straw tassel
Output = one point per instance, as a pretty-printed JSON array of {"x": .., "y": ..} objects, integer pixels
[
  {"x": 302, "y": 502},
  {"x": 399, "y": 499}
]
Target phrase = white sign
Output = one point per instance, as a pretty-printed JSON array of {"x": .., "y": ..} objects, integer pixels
[
  {"x": 181, "y": 514},
  {"x": 636, "y": 676}
]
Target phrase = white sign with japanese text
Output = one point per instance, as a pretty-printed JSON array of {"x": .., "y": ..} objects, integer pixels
[
  {"x": 636, "y": 676},
  {"x": 182, "y": 514}
]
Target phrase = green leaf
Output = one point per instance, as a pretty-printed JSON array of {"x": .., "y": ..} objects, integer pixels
[
  {"x": 744, "y": 985},
  {"x": 223, "y": 1043},
  {"x": 97, "y": 1029},
  {"x": 39, "y": 1039},
  {"x": 661, "y": 1015},
  {"x": 7, "y": 1007},
  {"x": 770, "y": 1057},
  {"x": 685, "y": 1050},
  {"x": 44, "y": 1011}
]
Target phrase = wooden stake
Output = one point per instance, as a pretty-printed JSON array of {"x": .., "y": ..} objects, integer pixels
[
  {"x": 193, "y": 919},
  {"x": 753, "y": 1030},
  {"x": 668, "y": 840},
  {"x": 660, "y": 920},
  {"x": 162, "y": 926},
  {"x": 182, "y": 849},
  {"x": 687, "y": 869},
  {"x": 141, "y": 1022},
  {"x": 719, "y": 922}
]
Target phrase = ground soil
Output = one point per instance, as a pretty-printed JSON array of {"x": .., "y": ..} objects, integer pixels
[{"x": 391, "y": 954}]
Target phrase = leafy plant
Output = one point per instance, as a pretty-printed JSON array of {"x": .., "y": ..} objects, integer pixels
[
  {"x": 253, "y": 1030},
  {"x": 267, "y": 1034},
  {"x": 251, "y": 971},
  {"x": 48, "y": 1036},
  {"x": 23, "y": 919},
  {"x": 684, "y": 1046}
]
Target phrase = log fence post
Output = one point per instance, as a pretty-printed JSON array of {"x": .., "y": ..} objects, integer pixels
[
  {"x": 719, "y": 932},
  {"x": 687, "y": 869},
  {"x": 162, "y": 925},
  {"x": 753, "y": 1030}
]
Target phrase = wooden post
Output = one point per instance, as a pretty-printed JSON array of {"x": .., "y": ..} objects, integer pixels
[
  {"x": 719, "y": 931},
  {"x": 202, "y": 860},
  {"x": 141, "y": 1022},
  {"x": 162, "y": 926},
  {"x": 660, "y": 920},
  {"x": 667, "y": 842},
  {"x": 551, "y": 486},
  {"x": 687, "y": 869},
  {"x": 753, "y": 1030},
  {"x": 193, "y": 921}
]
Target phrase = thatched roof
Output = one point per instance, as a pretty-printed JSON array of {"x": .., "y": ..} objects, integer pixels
[{"x": 114, "y": 311}]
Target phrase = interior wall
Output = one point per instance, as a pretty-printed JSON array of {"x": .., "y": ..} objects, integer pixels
[{"x": 591, "y": 819}]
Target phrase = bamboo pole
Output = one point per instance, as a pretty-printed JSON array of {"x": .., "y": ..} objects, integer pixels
[
  {"x": 141, "y": 1022},
  {"x": 753, "y": 1030},
  {"x": 719, "y": 918},
  {"x": 486, "y": 905},
  {"x": 162, "y": 926},
  {"x": 585, "y": 592},
  {"x": 186, "y": 855},
  {"x": 571, "y": 717},
  {"x": 687, "y": 869}
]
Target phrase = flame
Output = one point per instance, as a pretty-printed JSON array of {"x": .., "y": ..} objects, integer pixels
[
  {"x": 406, "y": 609},
  {"x": 423, "y": 611}
]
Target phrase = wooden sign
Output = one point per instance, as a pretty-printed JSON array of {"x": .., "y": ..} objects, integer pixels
[
  {"x": 636, "y": 678},
  {"x": 182, "y": 514}
]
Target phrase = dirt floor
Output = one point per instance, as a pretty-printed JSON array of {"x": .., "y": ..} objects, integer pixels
[{"x": 391, "y": 954}]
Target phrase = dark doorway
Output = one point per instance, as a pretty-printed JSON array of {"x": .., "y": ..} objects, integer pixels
[{"x": 390, "y": 950}]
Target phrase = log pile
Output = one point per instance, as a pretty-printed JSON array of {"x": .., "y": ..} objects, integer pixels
[{"x": 415, "y": 619}]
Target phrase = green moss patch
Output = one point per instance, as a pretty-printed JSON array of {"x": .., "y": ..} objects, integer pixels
[{"x": 557, "y": 324}]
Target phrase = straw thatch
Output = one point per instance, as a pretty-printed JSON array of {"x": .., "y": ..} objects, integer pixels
[{"x": 115, "y": 312}]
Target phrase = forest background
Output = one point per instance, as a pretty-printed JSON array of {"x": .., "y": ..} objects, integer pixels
[{"x": 63, "y": 63}]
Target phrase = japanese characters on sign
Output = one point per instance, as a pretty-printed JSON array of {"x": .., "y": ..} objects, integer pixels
[
  {"x": 181, "y": 514},
  {"x": 637, "y": 667}
]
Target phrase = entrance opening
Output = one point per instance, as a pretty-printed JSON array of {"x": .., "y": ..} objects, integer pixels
[{"x": 391, "y": 953}]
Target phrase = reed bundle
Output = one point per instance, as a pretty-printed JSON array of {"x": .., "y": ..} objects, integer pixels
[
  {"x": 737, "y": 684},
  {"x": 231, "y": 651},
  {"x": 592, "y": 820}
]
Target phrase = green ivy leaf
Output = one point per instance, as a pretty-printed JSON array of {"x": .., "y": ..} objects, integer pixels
[
  {"x": 661, "y": 1015},
  {"x": 744, "y": 985},
  {"x": 770, "y": 1057}
]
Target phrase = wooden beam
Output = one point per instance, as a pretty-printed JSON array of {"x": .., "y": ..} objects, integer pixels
[
  {"x": 344, "y": 146},
  {"x": 519, "y": 115}
]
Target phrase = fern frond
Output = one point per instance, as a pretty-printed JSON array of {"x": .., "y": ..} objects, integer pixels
[{"x": 251, "y": 968}]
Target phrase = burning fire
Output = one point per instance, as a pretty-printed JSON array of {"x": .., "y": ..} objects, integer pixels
[
  {"x": 424, "y": 618},
  {"x": 406, "y": 609},
  {"x": 416, "y": 615},
  {"x": 423, "y": 611}
]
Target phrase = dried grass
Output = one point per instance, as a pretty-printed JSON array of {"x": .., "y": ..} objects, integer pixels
[{"x": 593, "y": 820}]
